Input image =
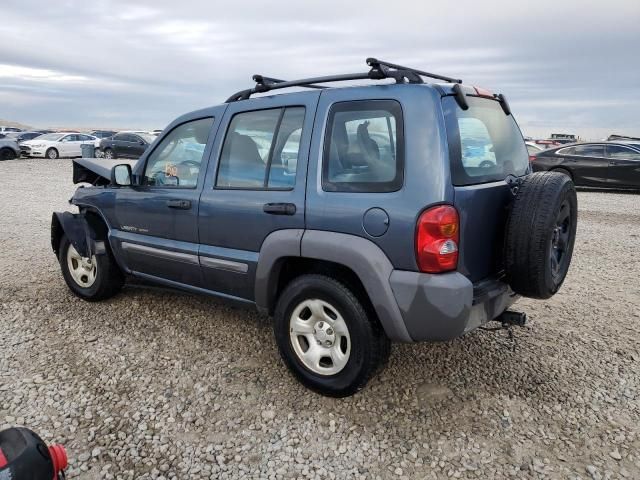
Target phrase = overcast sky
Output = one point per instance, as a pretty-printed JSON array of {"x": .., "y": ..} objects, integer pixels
[{"x": 568, "y": 66}]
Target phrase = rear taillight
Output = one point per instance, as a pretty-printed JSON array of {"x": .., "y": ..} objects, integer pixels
[
  {"x": 437, "y": 237},
  {"x": 532, "y": 158}
]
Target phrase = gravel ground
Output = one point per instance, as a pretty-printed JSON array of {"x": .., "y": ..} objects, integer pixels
[{"x": 158, "y": 384}]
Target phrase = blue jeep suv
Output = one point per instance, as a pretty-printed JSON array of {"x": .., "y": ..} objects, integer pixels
[{"x": 402, "y": 211}]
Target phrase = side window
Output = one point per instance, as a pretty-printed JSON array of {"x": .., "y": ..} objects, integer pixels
[
  {"x": 69, "y": 138},
  {"x": 589, "y": 150},
  {"x": 176, "y": 159},
  {"x": 566, "y": 151},
  {"x": 260, "y": 149},
  {"x": 364, "y": 147},
  {"x": 622, "y": 153},
  {"x": 119, "y": 137}
]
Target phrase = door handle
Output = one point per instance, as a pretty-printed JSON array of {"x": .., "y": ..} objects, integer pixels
[
  {"x": 279, "y": 208},
  {"x": 180, "y": 204}
]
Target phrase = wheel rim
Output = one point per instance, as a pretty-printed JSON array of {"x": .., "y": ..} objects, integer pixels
[
  {"x": 108, "y": 154},
  {"x": 320, "y": 337},
  {"x": 560, "y": 241},
  {"x": 83, "y": 270},
  {"x": 52, "y": 154}
]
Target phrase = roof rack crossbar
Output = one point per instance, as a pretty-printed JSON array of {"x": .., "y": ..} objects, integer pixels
[
  {"x": 262, "y": 80},
  {"x": 375, "y": 63},
  {"x": 379, "y": 70}
]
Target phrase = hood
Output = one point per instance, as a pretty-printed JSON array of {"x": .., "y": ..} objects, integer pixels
[{"x": 96, "y": 171}]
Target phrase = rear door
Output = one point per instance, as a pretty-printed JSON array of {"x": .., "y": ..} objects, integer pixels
[
  {"x": 119, "y": 144},
  {"x": 487, "y": 153},
  {"x": 156, "y": 222},
  {"x": 68, "y": 145},
  {"x": 624, "y": 166},
  {"x": 589, "y": 166},
  {"x": 255, "y": 185}
]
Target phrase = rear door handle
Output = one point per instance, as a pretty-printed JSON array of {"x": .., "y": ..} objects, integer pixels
[
  {"x": 180, "y": 204},
  {"x": 279, "y": 208}
]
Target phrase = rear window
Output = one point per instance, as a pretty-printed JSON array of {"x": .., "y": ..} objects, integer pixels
[{"x": 485, "y": 145}]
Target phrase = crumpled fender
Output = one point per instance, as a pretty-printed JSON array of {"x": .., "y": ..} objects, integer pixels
[{"x": 79, "y": 232}]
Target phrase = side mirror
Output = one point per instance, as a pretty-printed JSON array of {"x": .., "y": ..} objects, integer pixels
[{"x": 121, "y": 175}]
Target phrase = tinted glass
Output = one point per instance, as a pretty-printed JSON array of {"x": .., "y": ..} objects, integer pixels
[
  {"x": 176, "y": 159},
  {"x": 121, "y": 137},
  {"x": 589, "y": 150},
  {"x": 257, "y": 152},
  {"x": 485, "y": 144},
  {"x": 364, "y": 147},
  {"x": 566, "y": 151},
  {"x": 69, "y": 138},
  {"x": 622, "y": 153},
  {"x": 51, "y": 136}
]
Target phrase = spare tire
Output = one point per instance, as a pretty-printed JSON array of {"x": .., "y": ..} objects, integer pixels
[{"x": 540, "y": 234}]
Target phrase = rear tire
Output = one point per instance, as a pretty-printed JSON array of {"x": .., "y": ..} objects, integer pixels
[
  {"x": 101, "y": 279},
  {"x": 540, "y": 234},
  {"x": 7, "y": 154},
  {"x": 52, "y": 154},
  {"x": 336, "y": 363}
]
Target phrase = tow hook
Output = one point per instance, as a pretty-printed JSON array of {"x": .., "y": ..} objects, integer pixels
[
  {"x": 507, "y": 321},
  {"x": 515, "y": 319}
]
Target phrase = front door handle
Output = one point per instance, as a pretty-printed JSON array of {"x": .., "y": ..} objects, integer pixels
[
  {"x": 279, "y": 208},
  {"x": 180, "y": 204}
]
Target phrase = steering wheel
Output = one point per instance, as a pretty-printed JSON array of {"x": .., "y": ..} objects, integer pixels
[{"x": 486, "y": 164}]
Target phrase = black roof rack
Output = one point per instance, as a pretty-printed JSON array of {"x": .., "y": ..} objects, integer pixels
[{"x": 379, "y": 70}]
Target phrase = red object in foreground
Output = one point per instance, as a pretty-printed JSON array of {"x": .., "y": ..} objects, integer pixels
[
  {"x": 437, "y": 238},
  {"x": 59, "y": 459},
  {"x": 24, "y": 456}
]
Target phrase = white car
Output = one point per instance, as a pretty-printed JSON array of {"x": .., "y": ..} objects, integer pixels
[{"x": 58, "y": 145}]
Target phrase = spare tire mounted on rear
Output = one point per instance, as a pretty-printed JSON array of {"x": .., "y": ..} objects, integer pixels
[{"x": 540, "y": 234}]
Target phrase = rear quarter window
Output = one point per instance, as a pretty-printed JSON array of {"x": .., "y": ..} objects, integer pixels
[{"x": 485, "y": 144}]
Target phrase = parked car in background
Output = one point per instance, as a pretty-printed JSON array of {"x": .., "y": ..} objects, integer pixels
[
  {"x": 564, "y": 138},
  {"x": 9, "y": 149},
  {"x": 534, "y": 148},
  {"x": 126, "y": 145},
  {"x": 57, "y": 145},
  {"x": 44, "y": 131},
  {"x": 21, "y": 138},
  {"x": 598, "y": 164},
  {"x": 4, "y": 129},
  {"x": 103, "y": 133}
]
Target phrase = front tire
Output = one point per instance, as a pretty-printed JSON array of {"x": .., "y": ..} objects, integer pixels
[
  {"x": 109, "y": 154},
  {"x": 7, "y": 154},
  {"x": 52, "y": 154},
  {"x": 94, "y": 279},
  {"x": 326, "y": 338}
]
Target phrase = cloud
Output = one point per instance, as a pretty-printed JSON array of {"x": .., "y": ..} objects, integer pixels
[{"x": 117, "y": 64}]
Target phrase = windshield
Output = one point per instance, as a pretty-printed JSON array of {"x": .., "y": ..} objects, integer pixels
[
  {"x": 52, "y": 137},
  {"x": 485, "y": 144}
]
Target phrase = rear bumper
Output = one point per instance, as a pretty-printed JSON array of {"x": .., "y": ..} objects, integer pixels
[{"x": 444, "y": 306}]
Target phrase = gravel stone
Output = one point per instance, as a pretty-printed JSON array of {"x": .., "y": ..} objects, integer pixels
[{"x": 179, "y": 386}]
